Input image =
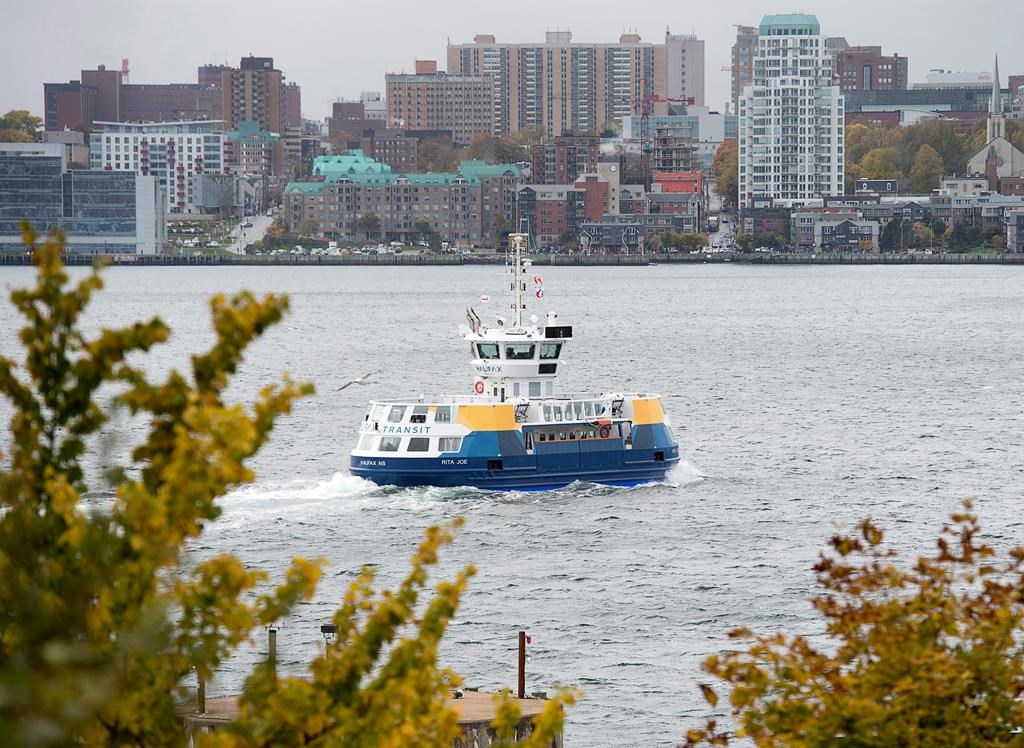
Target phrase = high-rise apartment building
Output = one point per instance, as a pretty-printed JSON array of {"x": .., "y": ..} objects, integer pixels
[
  {"x": 173, "y": 152},
  {"x": 867, "y": 69},
  {"x": 292, "y": 105},
  {"x": 743, "y": 52},
  {"x": 255, "y": 91},
  {"x": 684, "y": 68},
  {"x": 791, "y": 116},
  {"x": 432, "y": 100},
  {"x": 562, "y": 86}
]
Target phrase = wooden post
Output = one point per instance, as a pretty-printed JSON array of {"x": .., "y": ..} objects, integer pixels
[
  {"x": 522, "y": 664},
  {"x": 272, "y": 649},
  {"x": 201, "y": 695}
]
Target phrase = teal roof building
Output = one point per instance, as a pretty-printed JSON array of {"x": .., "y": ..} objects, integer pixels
[
  {"x": 356, "y": 167},
  {"x": 790, "y": 24}
]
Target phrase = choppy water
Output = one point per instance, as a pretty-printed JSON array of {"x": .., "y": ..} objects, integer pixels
[{"x": 804, "y": 399}]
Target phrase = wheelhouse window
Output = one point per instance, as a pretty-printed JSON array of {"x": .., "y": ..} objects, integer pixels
[
  {"x": 397, "y": 414},
  {"x": 550, "y": 350},
  {"x": 534, "y": 389},
  {"x": 487, "y": 350},
  {"x": 418, "y": 444},
  {"x": 449, "y": 444},
  {"x": 390, "y": 443},
  {"x": 519, "y": 352}
]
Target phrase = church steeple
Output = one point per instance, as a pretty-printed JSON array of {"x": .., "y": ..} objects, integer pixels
[{"x": 995, "y": 107}]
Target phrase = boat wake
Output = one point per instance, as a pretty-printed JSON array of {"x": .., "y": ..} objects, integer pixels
[
  {"x": 684, "y": 474},
  {"x": 339, "y": 486}
]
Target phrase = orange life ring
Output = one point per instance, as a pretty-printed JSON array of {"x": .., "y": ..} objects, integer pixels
[
  {"x": 605, "y": 431},
  {"x": 478, "y": 387}
]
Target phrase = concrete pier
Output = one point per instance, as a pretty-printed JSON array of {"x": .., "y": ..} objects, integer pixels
[{"x": 476, "y": 711}]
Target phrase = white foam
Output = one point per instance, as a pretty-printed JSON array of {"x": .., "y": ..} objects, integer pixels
[
  {"x": 684, "y": 474},
  {"x": 339, "y": 486}
]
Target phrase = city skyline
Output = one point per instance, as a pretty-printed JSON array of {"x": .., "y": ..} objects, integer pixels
[{"x": 357, "y": 47}]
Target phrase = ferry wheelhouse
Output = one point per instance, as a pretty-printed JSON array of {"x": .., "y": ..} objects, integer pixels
[{"x": 515, "y": 432}]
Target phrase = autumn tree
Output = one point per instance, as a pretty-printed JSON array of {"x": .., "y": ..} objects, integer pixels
[
  {"x": 926, "y": 172},
  {"x": 308, "y": 227},
  {"x": 881, "y": 163},
  {"x": 495, "y": 149},
  {"x": 101, "y": 619},
  {"x": 725, "y": 168},
  {"x": 20, "y": 126},
  {"x": 922, "y": 654},
  {"x": 100, "y": 622},
  {"x": 923, "y": 233},
  {"x": 437, "y": 154}
]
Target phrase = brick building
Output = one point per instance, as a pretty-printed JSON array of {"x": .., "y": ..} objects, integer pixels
[
  {"x": 560, "y": 160},
  {"x": 432, "y": 100},
  {"x": 465, "y": 207},
  {"x": 867, "y": 69}
]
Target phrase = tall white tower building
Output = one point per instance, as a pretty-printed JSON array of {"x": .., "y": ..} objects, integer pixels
[
  {"x": 791, "y": 117},
  {"x": 684, "y": 67}
]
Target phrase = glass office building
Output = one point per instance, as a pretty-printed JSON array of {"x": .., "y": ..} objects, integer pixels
[{"x": 100, "y": 212}]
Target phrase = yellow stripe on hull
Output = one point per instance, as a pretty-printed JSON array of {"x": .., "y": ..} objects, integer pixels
[
  {"x": 648, "y": 411},
  {"x": 488, "y": 417}
]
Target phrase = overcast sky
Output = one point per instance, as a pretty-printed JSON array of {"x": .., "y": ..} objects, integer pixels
[{"x": 337, "y": 49}]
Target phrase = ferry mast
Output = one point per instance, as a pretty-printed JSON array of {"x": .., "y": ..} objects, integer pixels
[{"x": 518, "y": 240}]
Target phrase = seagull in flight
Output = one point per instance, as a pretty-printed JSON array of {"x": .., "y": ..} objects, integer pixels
[{"x": 365, "y": 379}]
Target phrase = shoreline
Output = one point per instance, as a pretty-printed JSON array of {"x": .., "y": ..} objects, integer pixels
[{"x": 834, "y": 258}]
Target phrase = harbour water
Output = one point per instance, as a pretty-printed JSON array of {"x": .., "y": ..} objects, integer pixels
[{"x": 804, "y": 399}]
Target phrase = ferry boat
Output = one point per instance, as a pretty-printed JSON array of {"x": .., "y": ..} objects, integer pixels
[{"x": 514, "y": 431}]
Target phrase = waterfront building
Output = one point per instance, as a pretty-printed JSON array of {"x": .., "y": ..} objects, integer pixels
[
  {"x": 432, "y": 100},
  {"x": 1015, "y": 229},
  {"x": 173, "y": 152},
  {"x": 629, "y": 234},
  {"x": 550, "y": 211},
  {"x": 564, "y": 86},
  {"x": 791, "y": 122},
  {"x": 847, "y": 235},
  {"x": 101, "y": 212},
  {"x": 465, "y": 207}
]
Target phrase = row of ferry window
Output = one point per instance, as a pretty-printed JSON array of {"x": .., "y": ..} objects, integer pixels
[
  {"x": 519, "y": 351},
  {"x": 396, "y": 413},
  {"x": 576, "y": 410},
  {"x": 615, "y": 431},
  {"x": 413, "y": 443}
]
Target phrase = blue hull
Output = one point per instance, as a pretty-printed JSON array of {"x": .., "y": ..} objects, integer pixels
[{"x": 519, "y": 473}]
